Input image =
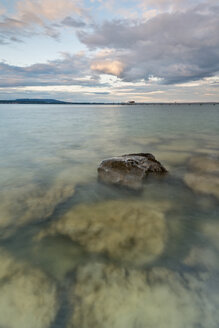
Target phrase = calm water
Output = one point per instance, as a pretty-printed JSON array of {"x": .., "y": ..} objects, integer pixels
[{"x": 75, "y": 253}]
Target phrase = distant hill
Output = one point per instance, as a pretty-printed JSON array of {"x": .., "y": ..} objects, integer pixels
[
  {"x": 49, "y": 102},
  {"x": 33, "y": 101}
]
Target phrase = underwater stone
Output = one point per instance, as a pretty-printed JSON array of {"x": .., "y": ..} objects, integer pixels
[
  {"x": 32, "y": 202},
  {"x": 205, "y": 164},
  {"x": 129, "y": 170},
  {"x": 203, "y": 175},
  {"x": 135, "y": 232},
  {"x": 28, "y": 298},
  {"x": 106, "y": 296}
]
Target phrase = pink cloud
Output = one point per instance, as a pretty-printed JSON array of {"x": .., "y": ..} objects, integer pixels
[
  {"x": 114, "y": 67},
  {"x": 48, "y": 9}
]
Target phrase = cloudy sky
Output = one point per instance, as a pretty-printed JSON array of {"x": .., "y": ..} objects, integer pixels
[{"x": 110, "y": 50}]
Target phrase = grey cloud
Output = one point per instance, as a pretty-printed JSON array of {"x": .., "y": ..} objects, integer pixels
[
  {"x": 176, "y": 47},
  {"x": 11, "y": 23},
  {"x": 2, "y": 40},
  {"x": 51, "y": 32},
  {"x": 101, "y": 93},
  {"x": 69, "y": 70},
  {"x": 169, "y": 5},
  {"x": 12, "y": 30},
  {"x": 14, "y": 39},
  {"x": 72, "y": 22}
]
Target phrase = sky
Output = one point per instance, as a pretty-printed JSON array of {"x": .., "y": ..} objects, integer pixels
[{"x": 110, "y": 51}]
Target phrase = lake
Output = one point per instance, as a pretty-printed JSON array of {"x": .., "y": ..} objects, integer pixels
[{"x": 76, "y": 253}]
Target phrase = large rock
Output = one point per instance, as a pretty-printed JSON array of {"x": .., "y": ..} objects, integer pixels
[{"x": 129, "y": 170}]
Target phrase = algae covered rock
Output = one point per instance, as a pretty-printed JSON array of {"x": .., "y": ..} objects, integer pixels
[
  {"x": 129, "y": 170},
  {"x": 28, "y": 299},
  {"x": 106, "y": 296},
  {"x": 32, "y": 202},
  {"x": 128, "y": 231},
  {"x": 203, "y": 175},
  {"x": 206, "y": 255},
  {"x": 205, "y": 164}
]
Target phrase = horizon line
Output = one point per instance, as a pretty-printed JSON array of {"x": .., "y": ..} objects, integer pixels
[{"x": 48, "y": 101}]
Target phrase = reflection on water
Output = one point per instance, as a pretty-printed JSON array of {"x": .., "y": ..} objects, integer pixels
[{"x": 77, "y": 253}]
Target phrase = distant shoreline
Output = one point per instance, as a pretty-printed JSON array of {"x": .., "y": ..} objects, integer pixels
[{"x": 58, "y": 102}]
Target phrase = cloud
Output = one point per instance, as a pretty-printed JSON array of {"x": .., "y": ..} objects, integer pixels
[
  {"x": 70, "y": 21},
  {"x": 79, "y": 83},
  {"x": 171, "y": 47},
  {"x": 40, "y": 16},
  {"x": 45, "y": 9},
  {"x": 174, "y": 47},
  {"x": 174, "y": 53},
  {"x": 2, "y": 10},
  {"x": 68, "y": 70},
  {"x": 108, "y": 67},
  {"x": 168, "y": 5},
  {"x": 71, "y": 78}
]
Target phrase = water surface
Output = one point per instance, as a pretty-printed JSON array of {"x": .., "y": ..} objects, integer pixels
[{"x": 77, "y": 253}]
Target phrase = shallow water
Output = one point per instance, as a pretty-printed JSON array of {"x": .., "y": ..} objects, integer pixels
[{"x": 77, "y": 253}]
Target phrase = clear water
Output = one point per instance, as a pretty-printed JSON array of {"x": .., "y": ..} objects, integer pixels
[{"x": 77, "y": 253}]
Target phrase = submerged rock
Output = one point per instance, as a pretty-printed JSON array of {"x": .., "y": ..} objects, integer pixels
[
  {"x": 28, "y": 299},
  {"x": 204, "y": 257},
  {"x": 206, "y": 254},
  {"x": 205, "y": 164},
  {"x": 206, "y": 184},
  {"x": 132, "y": 232},
  {"x": 33, "y": 202},
  {"x": 129, "y": 170},
  {"x": 106, "y": 296},
  {"x": 203, "y": 175}
]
